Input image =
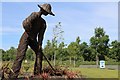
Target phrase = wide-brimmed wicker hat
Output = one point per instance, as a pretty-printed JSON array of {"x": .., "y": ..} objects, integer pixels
[{"x": 47, "y": 8}]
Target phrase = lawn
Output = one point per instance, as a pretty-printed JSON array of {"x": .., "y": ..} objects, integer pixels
[
  {"x": 87, "y": 72},
  {"x": 97, "y": 73}
]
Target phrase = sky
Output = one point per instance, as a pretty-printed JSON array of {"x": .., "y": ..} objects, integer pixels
[{"x": 77, "y": 19}]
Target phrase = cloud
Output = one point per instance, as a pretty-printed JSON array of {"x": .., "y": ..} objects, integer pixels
[
  {"x": 77, "y": 20},
  {"x": 83, "y": 22},
  {"x": 10, "y": 30}
]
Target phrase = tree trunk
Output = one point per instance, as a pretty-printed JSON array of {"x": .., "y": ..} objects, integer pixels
[
  {"x": 70, "y": 60},
  {"x": 74, "y": 61},
  {"x": 97, "y": 61},
  {"x": 61, "y": 61},
  {"x": 54, "y": 58}
]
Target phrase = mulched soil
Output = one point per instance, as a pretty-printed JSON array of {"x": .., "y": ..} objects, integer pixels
[{"x": 60, "y": 73}]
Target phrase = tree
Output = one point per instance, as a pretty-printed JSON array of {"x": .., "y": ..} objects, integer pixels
[
  {"x": 88, "y": 54},
  {"x": 49, "y": 50},
  {"x": 57, "y": 38},
  {"x": 115, "y": 50},
  {"x": 3, "y": 53},
  {"x": 83, "y": 47},
  {"x": 11, "y": 53},
  {"x": 99, "y": 43},
  {"x": 58, "y": 33},
  {"x": 78, "y": 40},
  {"x": 61, "y": 52},
  {"x": 74, "y": 49},
  {"x": 30, "y": 54}
]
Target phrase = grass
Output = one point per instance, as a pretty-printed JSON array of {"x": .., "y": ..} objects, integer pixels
[
  {"x": 87, "y": 72},
  {"x": 97, "y": 73}
]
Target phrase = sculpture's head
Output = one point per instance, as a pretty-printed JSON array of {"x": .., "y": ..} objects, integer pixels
[{"x": 46, "y": 9}]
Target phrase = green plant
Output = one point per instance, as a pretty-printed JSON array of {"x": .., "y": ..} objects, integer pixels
[{"x": 5, "y": 71}]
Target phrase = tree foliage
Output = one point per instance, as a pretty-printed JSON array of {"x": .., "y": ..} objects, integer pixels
[
  {"x": 99, "y": 45},
  {"x": 114, "y": 52},
  {"x": 100, "y": 41}
]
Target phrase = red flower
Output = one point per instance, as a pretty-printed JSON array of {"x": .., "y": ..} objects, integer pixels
[{"x": 44, "y": 76}]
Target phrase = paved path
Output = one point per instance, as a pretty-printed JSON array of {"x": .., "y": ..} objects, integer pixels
[{"x": 94, "y": 66}]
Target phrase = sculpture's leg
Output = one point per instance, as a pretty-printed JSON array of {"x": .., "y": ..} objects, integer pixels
[
  {"x": 41, "y": 58},
  {"x": 38, "y": 61},
  {"x": 20, "y": 56}
]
